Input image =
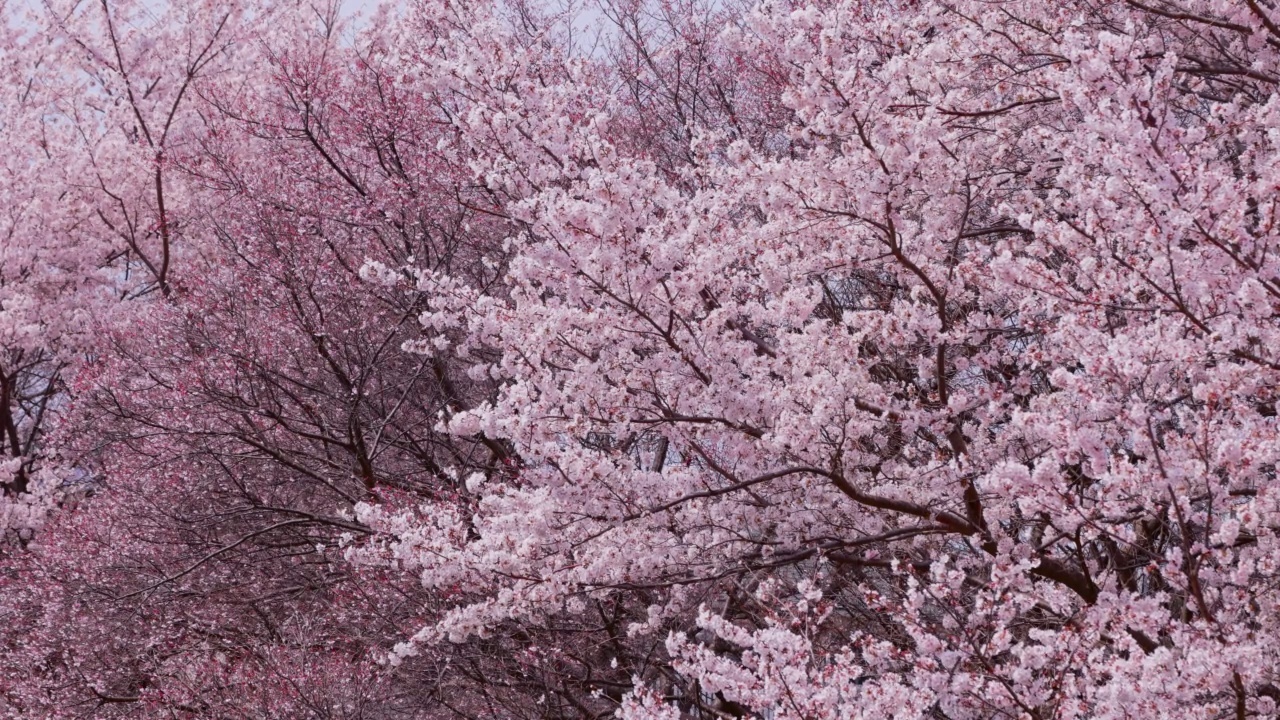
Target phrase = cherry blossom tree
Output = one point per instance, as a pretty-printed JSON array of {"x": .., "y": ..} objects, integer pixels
[
  {"x": 231, "y": 425},
  {"x": 975, "y": 359},
  {"x": 98, "y": 94},
  {"x": 890, "y": 358}
]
